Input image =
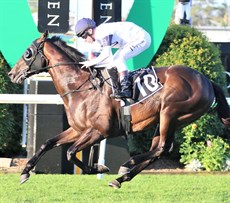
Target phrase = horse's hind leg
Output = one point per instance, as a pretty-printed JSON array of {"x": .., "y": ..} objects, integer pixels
[
  {"x": 129, "y": 176},
  {"x": 140, "y": 162},
  {"x": 156, "y": 138},
  {"x": 143, "y": 161},
  {"x": 68, "y": 136},
  {"x": 148, "y": 158},
  {"x": 88, "y": 138},
  {"x": 127, "y": 166}
]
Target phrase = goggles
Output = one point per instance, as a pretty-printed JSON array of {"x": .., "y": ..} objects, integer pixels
[{"x": 83, "y": 34}]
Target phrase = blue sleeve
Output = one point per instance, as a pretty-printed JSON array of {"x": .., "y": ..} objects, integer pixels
[{"x": 106, "y": 41}]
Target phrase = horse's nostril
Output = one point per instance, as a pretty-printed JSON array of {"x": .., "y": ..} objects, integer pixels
[{"x": 10, "y": 75}]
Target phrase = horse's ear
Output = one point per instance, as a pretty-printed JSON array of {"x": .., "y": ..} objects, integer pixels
[{"x": 45, "y": 35}]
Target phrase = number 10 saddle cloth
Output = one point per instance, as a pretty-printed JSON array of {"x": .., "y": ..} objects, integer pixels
[{"x": 145, "y": 83}]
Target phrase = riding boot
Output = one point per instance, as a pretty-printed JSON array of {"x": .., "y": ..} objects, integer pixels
[
  {"x": 181, "y": 21},
  {"x": 187, "y": 22},
  {"x": 115, "y": 82},
  {"x": 126, "y": 91}
]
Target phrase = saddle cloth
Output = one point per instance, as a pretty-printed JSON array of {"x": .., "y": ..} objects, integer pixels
[{"x": 145, "y": 83}]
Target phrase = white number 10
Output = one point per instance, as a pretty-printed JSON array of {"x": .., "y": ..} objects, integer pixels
[{"x": 152, "y": 85}]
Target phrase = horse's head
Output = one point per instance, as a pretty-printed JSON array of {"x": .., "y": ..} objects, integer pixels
[{"x": 31, "y": 62}]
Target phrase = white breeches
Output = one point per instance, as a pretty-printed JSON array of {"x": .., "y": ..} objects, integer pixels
[
  {"x": 141, "y": 43},
  {"x": 184, "y": 8}
]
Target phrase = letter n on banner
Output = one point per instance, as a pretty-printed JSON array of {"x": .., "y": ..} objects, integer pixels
[
  {"x": 106, "y": 11},
  {"x": 53, "y": 15}
]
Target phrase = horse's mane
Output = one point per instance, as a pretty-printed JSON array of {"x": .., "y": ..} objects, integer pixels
[{"x": 73, "y": 53}]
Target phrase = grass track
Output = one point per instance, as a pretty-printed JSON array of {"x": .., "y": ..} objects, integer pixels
[{"x": 158, "y": 188}]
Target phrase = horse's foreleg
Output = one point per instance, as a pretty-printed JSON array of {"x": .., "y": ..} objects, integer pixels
[
  {"x": 88, "y": 138},
  {"x": 68, "y": 136}
]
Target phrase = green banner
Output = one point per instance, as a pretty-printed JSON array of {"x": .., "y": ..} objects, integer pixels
[
  {"x": 18, "y": 29},
  {"x": 154, "y": 16}
]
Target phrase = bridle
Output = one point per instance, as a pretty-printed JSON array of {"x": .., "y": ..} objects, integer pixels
[{"x": 36, "y": 61}]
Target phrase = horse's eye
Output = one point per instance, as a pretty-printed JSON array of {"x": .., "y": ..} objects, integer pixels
[{"x": 28, "y": 54}]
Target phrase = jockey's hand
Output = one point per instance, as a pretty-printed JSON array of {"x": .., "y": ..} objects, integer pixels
[{"x": 85, "y": 64}]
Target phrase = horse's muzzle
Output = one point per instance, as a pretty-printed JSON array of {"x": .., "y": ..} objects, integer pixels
[{"x": 17, "y": 78}]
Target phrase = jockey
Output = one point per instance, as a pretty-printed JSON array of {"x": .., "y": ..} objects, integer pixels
[{"x": 130, "y": 40}]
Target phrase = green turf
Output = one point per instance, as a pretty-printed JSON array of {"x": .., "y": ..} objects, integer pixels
[{"x": 159, "y": 188}]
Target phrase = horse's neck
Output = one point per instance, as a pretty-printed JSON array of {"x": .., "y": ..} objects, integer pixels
[{"x": 67, "y": 78}]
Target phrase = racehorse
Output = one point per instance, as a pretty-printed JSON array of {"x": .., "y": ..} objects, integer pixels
[{"x": 92, "y": 115}]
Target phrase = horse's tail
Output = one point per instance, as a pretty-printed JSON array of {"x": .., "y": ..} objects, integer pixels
[{"x": 223, "y": 109}]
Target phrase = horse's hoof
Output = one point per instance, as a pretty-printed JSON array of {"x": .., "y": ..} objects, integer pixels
[
  {"x": 24, "y": 177},
  {"x": 123, "y": 170},
  {"x": 102, "y": 169},
  {"x": 115, "y": 184}
]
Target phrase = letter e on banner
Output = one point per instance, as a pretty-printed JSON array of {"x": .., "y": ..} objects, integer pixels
[
  {"x": 53, "y": 15},
  {"x": 106, "y": 11}
]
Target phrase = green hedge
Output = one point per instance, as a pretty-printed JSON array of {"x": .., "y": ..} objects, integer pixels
[
  {"x": 10, "y": 115},
  {"x": 188, "y": 46}
]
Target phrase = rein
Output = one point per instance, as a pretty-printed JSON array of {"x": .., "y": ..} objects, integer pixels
[
  {"x": 94, "y": 86},
  {"x": 46, "y": 68},
  {"x": 35, "y": 61},
  {"x": 80, "y": 90}
]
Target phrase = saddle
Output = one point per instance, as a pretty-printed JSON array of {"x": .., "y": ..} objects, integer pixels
[{"x": 145, "y": 83}]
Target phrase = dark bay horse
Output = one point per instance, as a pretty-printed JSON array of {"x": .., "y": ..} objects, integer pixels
[{"x": 93, "y": 115}]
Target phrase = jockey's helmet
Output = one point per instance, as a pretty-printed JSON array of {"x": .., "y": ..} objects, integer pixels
[{"x": 83, "y": 25}]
